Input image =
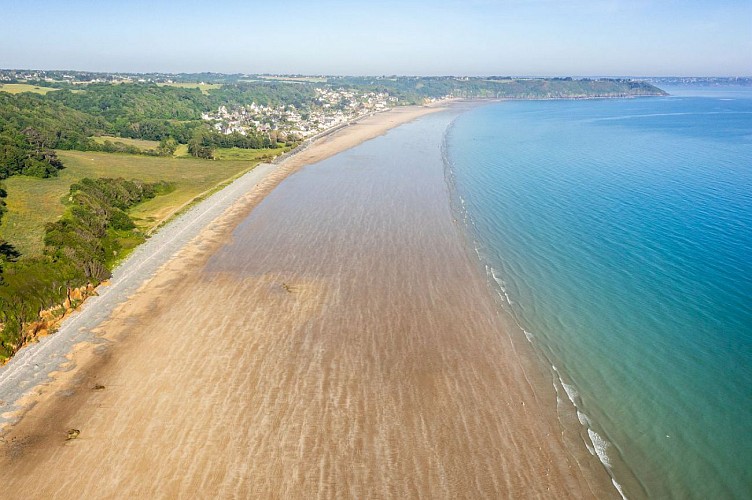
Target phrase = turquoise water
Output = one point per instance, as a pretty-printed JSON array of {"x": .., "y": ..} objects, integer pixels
[{"x": 620, "y": 235}]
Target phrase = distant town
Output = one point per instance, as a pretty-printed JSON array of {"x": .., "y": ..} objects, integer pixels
[
  {"x": 285, "y": 108},
  {"x": 330, "y": 107}
]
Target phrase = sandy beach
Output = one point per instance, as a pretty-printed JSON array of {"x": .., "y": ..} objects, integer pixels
[{"x": 327, "y": 336}]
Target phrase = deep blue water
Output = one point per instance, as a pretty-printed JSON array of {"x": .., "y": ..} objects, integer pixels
[{"x": 620, "y": 233}]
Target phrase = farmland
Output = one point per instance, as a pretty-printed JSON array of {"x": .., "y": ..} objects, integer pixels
[
  {"x": 17, "y": 88},
  {"x": 33, "y": 202}
]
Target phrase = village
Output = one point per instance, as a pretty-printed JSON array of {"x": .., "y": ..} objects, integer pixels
[{"x": 330, "y": 107}]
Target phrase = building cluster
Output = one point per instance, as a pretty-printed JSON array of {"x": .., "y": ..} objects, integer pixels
[
  {"x": 79, "y": 77},
  {"x": 60, "y": 76},
  {"x": 329, "y": 108},
  {"x": 433, "y": 100}
]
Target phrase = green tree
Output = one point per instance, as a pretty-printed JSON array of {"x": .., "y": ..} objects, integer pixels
[
  {"x": 167, "y": 146},
  {"x": 201, "y": 144}
]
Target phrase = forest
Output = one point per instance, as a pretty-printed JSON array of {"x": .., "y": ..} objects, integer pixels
[{"x": 68, "y": 119}]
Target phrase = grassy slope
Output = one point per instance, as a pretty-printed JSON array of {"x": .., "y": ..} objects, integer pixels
[
  {"x": 139, "y": 143},
  {"x": 248, "y": 154},
  {"x": 204, "y": 87},
  {"x": 33, "y": 202},
  {"x": 17, "y": 88}
]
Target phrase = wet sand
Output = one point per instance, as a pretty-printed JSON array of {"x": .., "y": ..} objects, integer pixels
[{"x": 329, "y": 338}]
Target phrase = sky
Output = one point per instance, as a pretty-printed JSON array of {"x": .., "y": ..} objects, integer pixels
[{"x": 388, "y": 37}]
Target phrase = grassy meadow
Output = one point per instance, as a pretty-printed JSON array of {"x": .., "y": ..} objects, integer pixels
[
  {"x": 203, "y": 87},
  {"x": 238, "y": 154},
  {"x": 142, "y": 144},
  {"x": 33, "y": 202},
  {"x": 17, "y": 88}
]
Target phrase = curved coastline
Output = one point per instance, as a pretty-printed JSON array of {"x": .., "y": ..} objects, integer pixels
[
  {"x": 640, "y": 316},
  {"x": 534, "y": 459},
  {"x": 576, "y": 425},
  {"x": 23, "y": 379}
]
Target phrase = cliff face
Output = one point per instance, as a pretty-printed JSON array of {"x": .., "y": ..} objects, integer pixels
[
  {"x": 49, "y": 319},
  {"x": 558, "y": 88}
]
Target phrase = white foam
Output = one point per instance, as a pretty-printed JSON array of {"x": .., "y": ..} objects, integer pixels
[
  {"x": 618, "y": 488},
  {"x": 584, "y": 419},
  {"x": 497, "y": 279},
  {"x": 597, "y": 446},
  {"x": 500, "y": 282},
  {"x": 571, "y": 392},
  {"x": 600, "y": 446}
]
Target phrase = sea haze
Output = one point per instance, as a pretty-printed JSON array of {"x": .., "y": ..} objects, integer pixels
[{"x": 619, "y": 236}]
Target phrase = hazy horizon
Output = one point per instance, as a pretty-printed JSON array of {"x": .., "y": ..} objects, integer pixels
[
  {"x": 394, "y": 75},
  {"x": 534, "y": 38}
]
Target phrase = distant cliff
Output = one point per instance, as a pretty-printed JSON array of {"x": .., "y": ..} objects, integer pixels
[
  {"x": 557, "y": 88},
  {"x": 417, "y": 89}
]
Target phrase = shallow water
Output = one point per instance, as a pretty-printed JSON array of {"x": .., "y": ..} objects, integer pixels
[
  {"x": 341, "y": 341},
  {"x": 620, "y": 235},
  {"x": 405, "y": 380}
]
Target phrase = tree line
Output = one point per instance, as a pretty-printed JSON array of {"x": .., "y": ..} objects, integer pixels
[
  {"x": 205, "y": 141},
  {"x": 80, "y": 249},
  {"x": 69, "y": 118}
]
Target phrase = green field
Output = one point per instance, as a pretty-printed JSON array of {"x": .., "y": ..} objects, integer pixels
[
  {"x": 33, "y": 202},
  {"x": 17, "y": 88},
  {"x": 248, "y": 154},
  {"x": 204, "y": 87},
  {"x": 139, "y": 143}
]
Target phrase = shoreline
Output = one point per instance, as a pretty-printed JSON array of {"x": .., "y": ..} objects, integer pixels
[
  {"x": 116, "y": 336},
  {"x": 575, "y": 433},
  {"x": 24, "y": 376}
]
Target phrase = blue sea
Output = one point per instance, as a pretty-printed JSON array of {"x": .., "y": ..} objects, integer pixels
[{"x": 618, "y": 235}]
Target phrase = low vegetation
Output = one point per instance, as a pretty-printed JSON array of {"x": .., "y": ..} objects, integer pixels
[
  {"x": 240, "y": 154},
  {"x": 203, "y": 87},
  {"x": 205, "y": 142},
  {"x": 34, "y": 202},
  {"x": 17, "y": 88},
  {"x": 64, "y": 233},
  {"x": 141, "y": 144},
  {"x": 79, "y": 250}
]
